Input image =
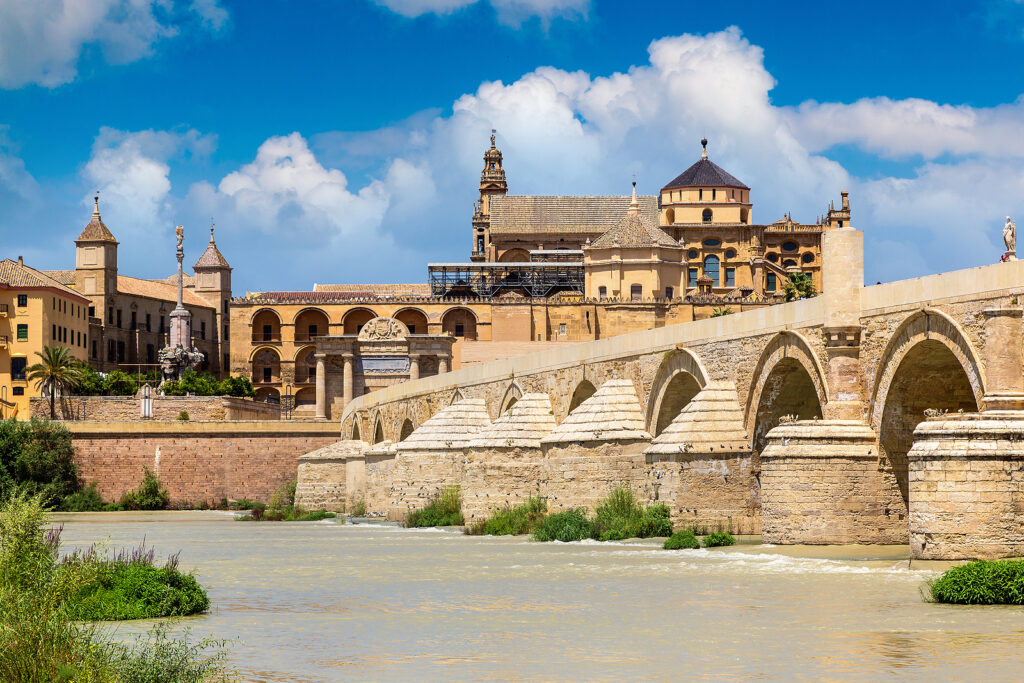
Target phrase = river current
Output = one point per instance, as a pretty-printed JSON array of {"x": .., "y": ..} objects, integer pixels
[{"x": 323, "y": 601}]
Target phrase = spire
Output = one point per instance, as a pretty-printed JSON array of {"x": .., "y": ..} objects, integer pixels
[
  {"x": 96, "y": 231},
  {"x": 634, "y": 205},
  {"x": 704, "y": 150},
  {"x": 96, "y": 206},
  {"x": 212, "y": 258},
  {"x": 211, "y": 232}
]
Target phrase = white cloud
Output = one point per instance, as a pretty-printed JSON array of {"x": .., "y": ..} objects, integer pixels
[
  {"x": 511, "y": 12},
  {"x": 42, "y": 41},
  {"x": 132, "y": 171}
]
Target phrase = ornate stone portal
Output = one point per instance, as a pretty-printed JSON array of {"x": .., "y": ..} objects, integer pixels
[
  {"x": 383, "y": 353},
  {"x": 180, "y": 354}
]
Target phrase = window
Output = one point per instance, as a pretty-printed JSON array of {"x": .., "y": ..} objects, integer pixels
[
  {"x": 313, "y": 328},
  {"x": 53, "y": 332},
  {"x": 227, "y": 362},
  {"x": 713, "y": 194},
  {"x": 202, "y": 329},
  {"x": 268, "y": 332},
  {"x": 55, "y": 303},
  {"x": 789, "y": 263},
  {"x": 150, "y": 353},
  {"x": 266, "y": 374},
  {"x": 730, "y": 277},
  {"x": 712, "y": 242},
  {"x": 774, "y": 258},
  {"x": 412, "y": 329},
  {"x": 225, "y": 332},
  {"x": 149, "y": 320},
  {"x": 480, "y": 243},
  {"x": 18, "y": 368},
  {"x": 111, "y": 350},
  {"x": 636, "y": 292},
  {"x": 706, "y": 216},
  {"x": 770, "y": 283},
  {"x": 840, "y": 224},
  {"x": 225, "y": 306},
  {"x": 17, "y": 391},
  {"x": 700, "y": 195},
  {"x": 163, "y": 328},
  {"x": 730, "y": 253},
  {"x": 561, "y": 328},
  {"x": 22, "y": 332},
  {"x": 92, "y": 311},
  {"x": 120, "y": 351},
  {"x": 692, "y": 253},
  {"x": 807, "y": 258},
  {"x": 602, "y": 292},
  {"x": 22, "y": 300},
  {"x": 110, "y": 315},
  {"x": 119, "y": 318},
  {"x": 669, "y": 292},
  {"x": 711, "y": 269},
  {"x": 135, "y": 321},
  {"x": 95, "y": 351},
  {"x": 790, "y": 246},
  {"x": 460, "y": 330},
  {"x": 691, "y": 278}
]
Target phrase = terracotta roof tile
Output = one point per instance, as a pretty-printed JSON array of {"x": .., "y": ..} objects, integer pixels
[
  {"x": 65, "y": 277},
  {"x": 634, "y": 231},
  {"x": 14, "y": 275},
  {"x": 705, "y": 173},
  {"x": 563, "y": 214},
  {"x": 380, "y": 290},
  {"x": 133, "y": 286},
  {"x": 212, "y": 258},
  {"x": 95, "y": 230}
]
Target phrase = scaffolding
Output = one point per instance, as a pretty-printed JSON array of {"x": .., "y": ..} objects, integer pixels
[{"x": 487, "y": 280}]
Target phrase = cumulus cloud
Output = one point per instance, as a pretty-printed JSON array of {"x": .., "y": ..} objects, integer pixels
[
  {"x": 511, "y": 12},
  {"x": 42, "y": 41}
]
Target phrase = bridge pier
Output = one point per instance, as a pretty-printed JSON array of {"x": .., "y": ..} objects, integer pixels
[{"x": 821, "y": 484}]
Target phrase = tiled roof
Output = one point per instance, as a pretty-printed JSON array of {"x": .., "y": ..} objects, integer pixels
[
  {"x": 96, "y": 231},
  {"x": 380, "y": 290},
  {"x": 212, "y": 258},
  {"x": 65, "y": 277},
  {"x": 705, "y": 173},
  {"x": 563, "y": 214},
  {"x": 634, "y": 230},
  {"x": 133, "y": 286},
  {"x": 522, "y": 426},
  {"x": 613, "y": 413},
  {"x": 15, "y": 275},
  {"x": 452, "y": 428},
  {"x": 187, "y": 281},
  {"x": 710, "y": 423}
]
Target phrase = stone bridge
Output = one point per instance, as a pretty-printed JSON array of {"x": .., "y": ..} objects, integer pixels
[{"x": 796, "y": 421}]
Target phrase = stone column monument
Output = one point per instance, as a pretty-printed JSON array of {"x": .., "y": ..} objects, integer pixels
[{"x": 179, "y": 355}]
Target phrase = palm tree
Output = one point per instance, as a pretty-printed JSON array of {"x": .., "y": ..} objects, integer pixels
[{"x": 58, "y": 372}]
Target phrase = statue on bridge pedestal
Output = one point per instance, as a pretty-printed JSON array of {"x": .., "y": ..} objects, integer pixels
[
  {"x": 1010, "y": 240},
  {"x": 180, "y": 354}
]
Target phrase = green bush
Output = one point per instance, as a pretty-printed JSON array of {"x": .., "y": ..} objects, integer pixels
[
  {"x": 86, "y": 500},
  {"x": 117, "y": 383},
  {"x": 718, "y": 538},
  {"x": 149, "y": 496},
  {"x": 36, "y": 457},
  {"x": 358, "y": 508},
  {"x": 514, "y": 520},
  {"x": 205, "y": 384},
  {"x": 244, "y": 504},
  {"x": 984, "y": 582},
  {"x": 236, "y": 386},
  {"x": 620, "y": 516},
  {"x": 571, "y": 525},
  {"x": 444, "y": 509},
  {"x": 682, "y": 540},
  {"x": 158, "y": 658}
]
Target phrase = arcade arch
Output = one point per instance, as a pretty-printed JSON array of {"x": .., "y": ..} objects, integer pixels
[{"x": 354, "y": 320}]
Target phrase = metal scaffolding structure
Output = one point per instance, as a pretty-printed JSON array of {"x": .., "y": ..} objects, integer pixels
[{"x": 486, "y": 280}]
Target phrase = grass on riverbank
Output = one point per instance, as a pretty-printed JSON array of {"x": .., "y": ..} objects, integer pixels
[
  {"x": 983, "y": 582},
  {"x": 444, "y": 509},
  {"x": 282, "y": 508},
  {"x": 617, "y": 517},
  {"x": 41, "y": 637},
  {"x": 513, "y": 520}
]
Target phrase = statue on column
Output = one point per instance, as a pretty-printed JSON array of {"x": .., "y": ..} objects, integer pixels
[
  {"x": 180, "y": 354},
  {"x": 1010, "y": 240}
]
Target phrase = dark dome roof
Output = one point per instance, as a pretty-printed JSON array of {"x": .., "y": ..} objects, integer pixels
[{"x": 705, "y": 173}]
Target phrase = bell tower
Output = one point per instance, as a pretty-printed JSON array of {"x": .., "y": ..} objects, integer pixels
[
  {"x": 492, "y": 182},
  {"x": 96, "y": 260}
]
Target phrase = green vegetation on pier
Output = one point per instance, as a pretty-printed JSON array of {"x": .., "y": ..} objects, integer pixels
[
  {"x": 444, "y": 509},
  {"x": 983, "y": 582}
]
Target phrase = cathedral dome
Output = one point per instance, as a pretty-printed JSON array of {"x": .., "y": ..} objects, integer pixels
[{"x": 705, "y": 173}]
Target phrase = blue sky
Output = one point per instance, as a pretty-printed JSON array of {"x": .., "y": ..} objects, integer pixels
[{"x": 341, "y": 140}]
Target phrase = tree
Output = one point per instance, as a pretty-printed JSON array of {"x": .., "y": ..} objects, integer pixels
[
  {"x": 118, "y": 383},
  {"x": 58, "y": 372},
  {"x": 799, "y": 286},
  {"x": 718, "y": 311}
]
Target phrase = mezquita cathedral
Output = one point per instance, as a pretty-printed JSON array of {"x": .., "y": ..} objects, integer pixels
[{"x": 543, "y": 270}]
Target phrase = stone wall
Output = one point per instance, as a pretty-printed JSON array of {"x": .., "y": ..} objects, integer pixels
[
  {"x": 716, "y": 493},
  {"x": 579, "y": 475},
  {"x": 498, "y": 477},
  {"x": 418, "y": 476},
  {"x": 129, "y": 408},
  {"x": 196, "y": 461}
]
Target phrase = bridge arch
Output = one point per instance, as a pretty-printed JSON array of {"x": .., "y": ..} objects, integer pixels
[
  {"x": 512, "y": 394},
  {"x": 680, "y": 377},
  {"x": 584, "y": 390},
  {"x": 378, "y": 429},
  {"x": 928, "y": 363},
  {"x": 406, "y": 430},
  {"x": 788, "y": 380}
]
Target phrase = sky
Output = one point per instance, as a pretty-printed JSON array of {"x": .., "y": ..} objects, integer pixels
[{"x": 341, "y": 141}]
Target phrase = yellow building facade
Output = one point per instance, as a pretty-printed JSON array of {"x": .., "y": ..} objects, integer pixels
[{"x": 35, "y": 311}]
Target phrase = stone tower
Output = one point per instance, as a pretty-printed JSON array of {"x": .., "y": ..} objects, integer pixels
[
  {"x": 705, "y": 193},
  {"x": 213, "y": 283},
  {"x": 839, "y": 218},
  {"x": 96, "y": 260},
  {"x": 492, "y": 182}
]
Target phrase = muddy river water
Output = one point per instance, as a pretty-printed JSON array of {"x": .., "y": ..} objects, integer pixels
[{"x": 324, "y": 601}]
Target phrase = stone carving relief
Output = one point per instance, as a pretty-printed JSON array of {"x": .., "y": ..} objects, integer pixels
[{"x": 383, "y": 328}]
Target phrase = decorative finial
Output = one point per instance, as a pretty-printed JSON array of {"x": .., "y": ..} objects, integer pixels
[
  {"x": 634, "y": 206},
  {"x": 704, "y": 145},
  {"x": 96, "y": 205},
  {"x": 211, "y": 229},
  {"x": 493, "y": 131}
]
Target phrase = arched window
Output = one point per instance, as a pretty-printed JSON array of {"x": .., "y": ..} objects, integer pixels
[
  {"x": 790, "y": 246},
  {"x": 711, "y": 268},
  {"x": 774, "y": 258},
  {"x": 670, "y": 216},
  {"x": 706, "y": 216},
  {"x": 744, "y": 214},
  {"x": 789, "y": 263},
  {"x": 636, "y": 292},
  {"x": 602, "y": 292}
]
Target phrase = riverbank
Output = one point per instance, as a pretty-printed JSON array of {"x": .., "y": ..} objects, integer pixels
[{"x": 323, "y": 601}]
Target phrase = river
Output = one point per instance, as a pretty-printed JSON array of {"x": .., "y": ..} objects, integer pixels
[{"x": 323, "y": 601}]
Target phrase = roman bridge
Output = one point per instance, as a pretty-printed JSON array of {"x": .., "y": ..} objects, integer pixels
[{"x": 796, "y": 421}]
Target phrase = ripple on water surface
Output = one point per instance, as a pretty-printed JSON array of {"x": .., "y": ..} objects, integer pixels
[{"x": 324, "y": 601}]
